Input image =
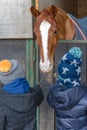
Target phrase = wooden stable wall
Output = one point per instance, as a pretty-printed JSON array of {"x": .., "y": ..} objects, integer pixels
[
  {"x": 76, "y": 7},
  {"x": 82, "y": 8},
  {"x": 67, "y": 5},
  {"x": 47, "y": 116}
]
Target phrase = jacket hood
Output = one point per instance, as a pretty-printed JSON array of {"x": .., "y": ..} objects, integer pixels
[
  {"x": 60, "y": 98},
  {"x": 18, "y": 102}
]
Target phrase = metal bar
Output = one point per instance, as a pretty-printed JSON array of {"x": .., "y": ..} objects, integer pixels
[
  {"x": 32, "y": 72},
  {"x": 72, "y": 41},
  {"x": 36, "y": 81},
  {"x": 36, "y": 63},
  {"x": 30, "y": 62},
  {"x": 35, "y": 3}
]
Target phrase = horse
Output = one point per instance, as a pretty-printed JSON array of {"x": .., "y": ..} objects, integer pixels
[{"x": 53, "y": 24}]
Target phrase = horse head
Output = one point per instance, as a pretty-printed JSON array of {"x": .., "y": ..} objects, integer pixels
[{"x": 52, "y": 24}]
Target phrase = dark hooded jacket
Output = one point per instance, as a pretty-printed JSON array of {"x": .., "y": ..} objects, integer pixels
[
  {"x": 18, "y": 111},
  {"x": 70, "y": 106}
]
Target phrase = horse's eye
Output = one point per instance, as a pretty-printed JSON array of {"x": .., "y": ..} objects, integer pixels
[{"x": 55, "y": 32}]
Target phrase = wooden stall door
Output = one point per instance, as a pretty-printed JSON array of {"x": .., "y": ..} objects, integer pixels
[{"x": 47, "y": 116}]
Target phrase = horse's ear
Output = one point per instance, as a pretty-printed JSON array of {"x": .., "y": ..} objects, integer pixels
[
  {"x": 34, "y": 11},
  {"x": 70, "y": 30},
  {"x": 53, "y": 10}
]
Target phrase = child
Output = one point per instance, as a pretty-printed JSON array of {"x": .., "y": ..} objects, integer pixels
[
  {"x": 18, "y": 101},
  {"x": 68, "y": 96}
]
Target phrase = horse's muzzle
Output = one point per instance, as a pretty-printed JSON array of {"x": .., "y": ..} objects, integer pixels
[{"x": 45, "y": 66}]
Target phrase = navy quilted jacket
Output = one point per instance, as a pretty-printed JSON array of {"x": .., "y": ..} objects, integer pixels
[{"x": 70, "y": 107}]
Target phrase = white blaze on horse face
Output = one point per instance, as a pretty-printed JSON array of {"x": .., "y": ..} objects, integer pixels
[{"x": 44, "y": 28}]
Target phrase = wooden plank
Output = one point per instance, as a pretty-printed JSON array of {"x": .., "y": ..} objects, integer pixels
[
  {"x": 15, "y": 19},
  {"x": 46, "y": 112},
  {"x": 82, "y": 8}
]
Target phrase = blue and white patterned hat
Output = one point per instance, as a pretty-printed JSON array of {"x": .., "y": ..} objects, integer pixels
[{"x": 69, "y": 68}]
